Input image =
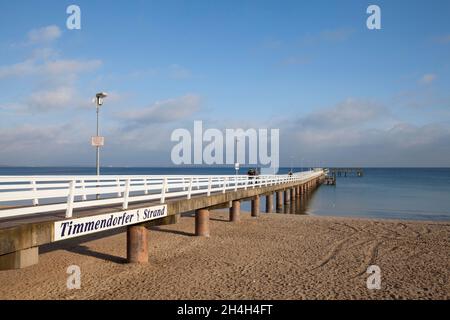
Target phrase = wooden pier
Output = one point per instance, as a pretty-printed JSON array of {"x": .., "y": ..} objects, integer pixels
[{"x": 56, "y": 208}]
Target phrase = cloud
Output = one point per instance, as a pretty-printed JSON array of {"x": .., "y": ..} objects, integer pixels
[
  {"x": 17, "y": 70},
  {"x": 51, "y": 99},
  {"x": 46, "y": 61},
  {"x": 358, "y": 132},
  {"x": 428, "y": 78},
  {"x": 348, "y": 113},
  {"x": 29, "y": 144},
  {"x": 44, "y": 69},
  {"x": 56, "y": 80},
  {"x": 47, "y": 100},
  {"x": 178, "y": 72},
  {"x": 421, "y": 97},
  {"x": 44, "y": 35},
  {"x": 165, "y": 111},
  {"x": 357, "y": 139},
  {"x": 33, "y": 67}
]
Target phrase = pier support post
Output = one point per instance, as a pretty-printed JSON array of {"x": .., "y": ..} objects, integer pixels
[
  {"x": 19, "y": 259},
  {"x": 293, "y": 194},
  {"x": 269, "y": 203},
  {"x": 235, "y": 211},
  {"x": 255, "y": 206},
  {"x": 202, "y": 222},
  {"x": 279, "y": 201},
  {"x": 137, "y": 244},
  {"x": 287, "y": 196},
  {"x": 297, "y": 191}
]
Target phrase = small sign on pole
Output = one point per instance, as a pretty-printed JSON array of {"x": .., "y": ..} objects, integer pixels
[{"x": 98, "y": 141}]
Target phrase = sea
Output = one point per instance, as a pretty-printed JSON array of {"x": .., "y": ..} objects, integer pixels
[{"x": 387, "y": 193}]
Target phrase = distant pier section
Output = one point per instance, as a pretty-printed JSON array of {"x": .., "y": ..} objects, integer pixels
[{"x": 346, "y": 172}]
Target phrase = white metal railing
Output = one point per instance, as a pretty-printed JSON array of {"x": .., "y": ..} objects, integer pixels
[{"x": 25, "y": 195}]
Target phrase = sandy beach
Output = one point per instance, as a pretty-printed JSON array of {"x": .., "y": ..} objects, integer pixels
[{"x": 275, "y": 256}]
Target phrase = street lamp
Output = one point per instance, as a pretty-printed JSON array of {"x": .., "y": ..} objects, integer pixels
[{"x": 98, "y": 141}]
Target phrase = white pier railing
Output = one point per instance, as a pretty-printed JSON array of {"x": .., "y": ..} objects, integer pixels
[{"x": 26, "y": 195}]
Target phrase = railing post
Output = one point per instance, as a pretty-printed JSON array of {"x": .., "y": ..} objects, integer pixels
[
  {"x": 145, "y": 186},
  {"x": 83, "y": 187},
  {"x": 190, "y": 188},
  {"x": 119, "y": 194},
  {"x": 163, "y": 190},
  {"x": 209, "y": 186},
  {"x": 33, "y": 187},
  {"x": 70, "y": 199},
  {"x": 126, "y": 195},
  {"x": 235, "y": 183},
  {"x": 224, "y": 184}
]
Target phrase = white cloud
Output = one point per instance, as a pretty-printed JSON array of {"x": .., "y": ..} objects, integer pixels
[
  {"x": 349, "y": 113},
  {"x": 46, "y": 100},
  {"x": 33, "y": 67},
  {"x": 44, "y": 69},
  {"x": 165, "y": 110},
  {"x": 58, "y": 98},
  {"x": 44, "y": 35},
  {"x": 20, "y": 69},
  {"x": 428, "y": 78}
]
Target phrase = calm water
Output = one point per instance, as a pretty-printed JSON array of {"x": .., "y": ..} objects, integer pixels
[{"x": 414, "y": 194}]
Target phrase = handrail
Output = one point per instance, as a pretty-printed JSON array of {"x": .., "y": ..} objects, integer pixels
[{"x": 25, "y": 195}]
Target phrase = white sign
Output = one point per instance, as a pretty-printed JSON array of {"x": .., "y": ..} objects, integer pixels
[
  {"x": 67, "y": 229},
  {"x": 98, "y": 141},
  {"x": 236, "y": 166}
]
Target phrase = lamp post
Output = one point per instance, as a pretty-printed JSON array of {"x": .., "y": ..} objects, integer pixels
[{"x": 98, "y": 141}]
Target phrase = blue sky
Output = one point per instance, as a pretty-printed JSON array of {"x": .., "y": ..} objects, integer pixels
[{"x": 381, "y": 95}]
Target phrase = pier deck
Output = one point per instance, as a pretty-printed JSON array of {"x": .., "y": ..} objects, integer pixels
[{"x": 136, "y": 202}]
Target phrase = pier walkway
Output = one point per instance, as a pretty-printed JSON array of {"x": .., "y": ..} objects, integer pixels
[{"x": 37, "y": 210}]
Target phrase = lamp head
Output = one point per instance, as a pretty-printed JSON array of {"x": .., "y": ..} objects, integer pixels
[{"x": 99, "y": 98}]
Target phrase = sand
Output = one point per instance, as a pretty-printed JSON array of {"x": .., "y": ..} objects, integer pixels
[{"x": 275, "y": 256}]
